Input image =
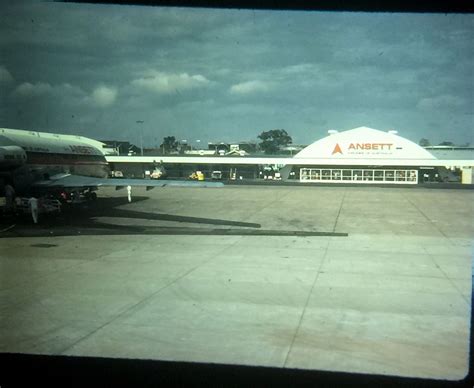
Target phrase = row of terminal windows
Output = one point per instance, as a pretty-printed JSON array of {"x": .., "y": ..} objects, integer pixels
[{"x": 358, "y": 175}]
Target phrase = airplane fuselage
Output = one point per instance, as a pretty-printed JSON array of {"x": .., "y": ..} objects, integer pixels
[{"x": 27, "y": 157}]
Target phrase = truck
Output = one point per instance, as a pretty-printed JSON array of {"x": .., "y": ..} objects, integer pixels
[{"x": 197, "y": 175}]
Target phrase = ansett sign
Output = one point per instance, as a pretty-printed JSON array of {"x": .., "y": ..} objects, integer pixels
[{"x": 360, "y": 148}]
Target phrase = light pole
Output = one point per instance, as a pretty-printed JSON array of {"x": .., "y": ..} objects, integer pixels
[{"x": 141, "y": 135}]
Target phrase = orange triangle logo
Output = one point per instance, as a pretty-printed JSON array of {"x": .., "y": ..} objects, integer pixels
[{"x": 336, "y": 150}]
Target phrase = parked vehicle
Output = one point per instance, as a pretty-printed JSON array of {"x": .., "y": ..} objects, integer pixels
[
  {"x": 197, "y": 175},
  {"x": 216, "y": 175}
]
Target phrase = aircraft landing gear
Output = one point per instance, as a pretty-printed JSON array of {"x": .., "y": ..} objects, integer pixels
[{"x": 90, "y": 195}]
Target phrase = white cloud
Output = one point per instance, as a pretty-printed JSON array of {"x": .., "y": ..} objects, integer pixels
[
  {"x": 163, "y": 83},
  {"x": 249, "y": 87},
  {"x": 27, "y": 89},
  {"x": 440, "y": 102},
  {"x": 5, "y": 76},
  {"x": 104, "y": 96},
  {"x": 301, "y": 68},
  {"x": 68, "y": 90}
]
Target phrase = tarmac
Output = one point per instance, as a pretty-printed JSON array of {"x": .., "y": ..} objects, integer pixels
[{"x": 353, "y": 279}]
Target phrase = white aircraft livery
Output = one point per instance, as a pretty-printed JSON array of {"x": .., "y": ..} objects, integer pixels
[{"x": 39, "y": 162}]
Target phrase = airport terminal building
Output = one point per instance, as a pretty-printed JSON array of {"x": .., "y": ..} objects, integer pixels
[{"x": 361, "y": 155}]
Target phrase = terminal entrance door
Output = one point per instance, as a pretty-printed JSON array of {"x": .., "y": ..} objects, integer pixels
[{"x": 341, "y": 175}]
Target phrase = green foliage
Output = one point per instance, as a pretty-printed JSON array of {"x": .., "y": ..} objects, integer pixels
[
  {"x": 169, "y": 144},
  {"x": 274, "y": 139},
  {"x": 424, "y": 142}
]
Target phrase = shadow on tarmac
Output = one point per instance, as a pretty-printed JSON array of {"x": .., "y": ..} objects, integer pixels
[{"x": 81, "y": 219}]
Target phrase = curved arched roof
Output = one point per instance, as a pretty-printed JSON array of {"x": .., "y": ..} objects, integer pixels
[{"x": 364, "y": 143}]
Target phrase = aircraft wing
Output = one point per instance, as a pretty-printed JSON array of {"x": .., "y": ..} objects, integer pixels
[{"x": 72, "y": 181}]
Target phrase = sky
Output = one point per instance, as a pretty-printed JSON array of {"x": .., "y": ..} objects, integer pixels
[{"x": 126, "y": 72}]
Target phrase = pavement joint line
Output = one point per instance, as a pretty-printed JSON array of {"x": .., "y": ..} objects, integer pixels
[
  {"x": 428, "y": 219},
  {"x": 340, "y": 208},
  {"x": 281, "y": 195},
  {"x": 390, "y": 275},
  {"x": 318, "y": 272},
  {"x": 467, "y": 300},
  {"x": 140, "y": 302},
  {"x": 7, "y": 228}
]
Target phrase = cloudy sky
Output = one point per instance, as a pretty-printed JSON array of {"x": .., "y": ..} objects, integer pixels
[{"x": 228, "y": 75}]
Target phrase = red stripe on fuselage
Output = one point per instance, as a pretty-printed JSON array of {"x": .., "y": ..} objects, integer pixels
[
  {"x": 46, "y": 163},
  {"x": 46, "y": 158}
]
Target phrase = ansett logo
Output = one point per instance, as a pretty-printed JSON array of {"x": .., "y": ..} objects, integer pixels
[
  {"x": 364, "y": 147},
  {"x": 336, "y": 150}
]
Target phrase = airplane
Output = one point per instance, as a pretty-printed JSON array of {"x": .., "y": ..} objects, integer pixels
[{"x": 61, "y": 166}]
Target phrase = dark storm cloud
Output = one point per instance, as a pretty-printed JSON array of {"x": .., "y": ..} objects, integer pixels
[{"x": 230, "y": 74}]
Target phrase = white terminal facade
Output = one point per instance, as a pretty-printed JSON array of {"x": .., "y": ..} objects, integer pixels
[
  {"x": 366, "y": 145},
  {"x": 360, "y": 155}
]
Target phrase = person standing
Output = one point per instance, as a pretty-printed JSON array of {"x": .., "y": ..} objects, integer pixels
[
  {"x": 9, "y": 197},
  {"x": 33, "y": 203},
  {"x": 129, "y": 193}
]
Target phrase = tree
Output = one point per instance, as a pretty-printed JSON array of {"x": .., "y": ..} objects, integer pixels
[
  {"x": 274, "y": 139},
  {"x": 447, "y": 143},
  {"x": 169, "y": 144},
  {"x": 424, "y": 142}
]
